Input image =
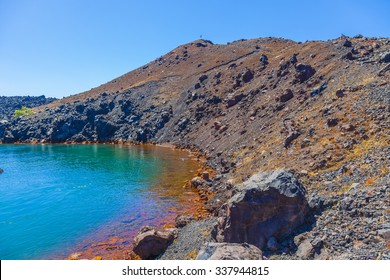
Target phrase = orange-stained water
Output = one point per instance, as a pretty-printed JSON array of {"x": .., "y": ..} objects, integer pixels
[{"x": 114, "y": 239}]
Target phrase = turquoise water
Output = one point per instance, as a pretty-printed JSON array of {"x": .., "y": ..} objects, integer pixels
[{"x": 53, "y": 197}]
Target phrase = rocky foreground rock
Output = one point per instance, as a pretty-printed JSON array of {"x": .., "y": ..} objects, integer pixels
[
  {"x": 268, "y": 205},
  {"x": 150, "y": 242}
]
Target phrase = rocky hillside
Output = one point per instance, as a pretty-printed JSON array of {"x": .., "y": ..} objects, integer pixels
[
  {"x": 319, "y": 109},
  {"x": 8, "y": 104}
]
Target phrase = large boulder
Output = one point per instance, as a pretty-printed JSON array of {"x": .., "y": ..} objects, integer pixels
[
  {"x": 229, "y": 251},
  {"x": 304, "y": 72},
  {"x": 150, "y": 242},
  {"x": 385, "y": 58},
  {"x": 267, "y": 205},
  {"x": 286, "y": 95},
  {"x": 247, "y": 75},
  {"x": 233, "y": 99}
]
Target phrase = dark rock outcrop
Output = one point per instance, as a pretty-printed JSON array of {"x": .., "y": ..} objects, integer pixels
[
  {"x": 385, "y": 58},
  {"x": 264, "y": 59},
  {"x": 229, "y": 251},
  {"x": 234, "y": 99},
  {"x": 267, "y": 205},
  {"x": 347, "y": 43},
  {"x": 247, "y": 75},
  {"x": 304, "y": 72},
  {"x": 150, "y": 242},
  {"x": 286, "y": 95},
  {"x": 8, "y": 104}
]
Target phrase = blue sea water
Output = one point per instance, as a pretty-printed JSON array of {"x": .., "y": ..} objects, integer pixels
[{"x": 54, "y": 196}]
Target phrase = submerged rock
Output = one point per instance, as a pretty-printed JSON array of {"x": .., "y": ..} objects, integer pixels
[
  {"x": 267, "y": 205},
  {"x": 229, "y": 251}
]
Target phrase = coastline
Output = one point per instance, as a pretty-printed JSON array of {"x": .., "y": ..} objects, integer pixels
[
  {"x": 119, "y": 247},
  {"x": 101, "y": 243}
]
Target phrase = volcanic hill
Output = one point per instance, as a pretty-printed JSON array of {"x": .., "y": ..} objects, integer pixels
[{"x": 319, "y": 109}]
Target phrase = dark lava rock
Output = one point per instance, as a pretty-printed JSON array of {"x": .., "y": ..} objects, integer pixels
[
  {"x": 304, "y": 72},
  {"x": 183, "y": 220},
  {"x": 332, "y": 121},
  {"x": 347, "y": 43},
  {"x": 318, "y": 90},
  {"x": 150, "y": 242},
  {"x": 340, "y": 93},
  {"x": 348, "y": 56},
  {"x": 293, "y": 59},
  {"x": 8, "y": 104},
  {"x": 183, "y": 124},
  {"x": 286, "y": 95},
  {"x": 385, "y": 58},
  {"x": 200, "y": 45},
  {"x": 234, "y": 99},
  {"x": 267, "y": 205},
  {"x": 264, "y": 59},
  {"x": 229, "y": 251},
  {"x": 247, "y": 75},
  {"x": 203, "y": 78}
]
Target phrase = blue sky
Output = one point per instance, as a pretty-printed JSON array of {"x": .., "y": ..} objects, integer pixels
[{"x": 59, "y": 48}]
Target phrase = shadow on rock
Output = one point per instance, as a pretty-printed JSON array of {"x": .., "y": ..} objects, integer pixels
[{"x": 265, "y": 209}]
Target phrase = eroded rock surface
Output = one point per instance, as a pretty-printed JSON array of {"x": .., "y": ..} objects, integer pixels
[
  {"x": 150, "y": 242},
  {"x": 267, "y": 205}
]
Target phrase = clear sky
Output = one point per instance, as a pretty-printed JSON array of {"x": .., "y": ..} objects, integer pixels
[{"x": 58, "y": 48}]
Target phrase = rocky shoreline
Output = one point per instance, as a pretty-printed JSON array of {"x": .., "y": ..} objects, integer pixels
[{"x": 316, "y": 112}]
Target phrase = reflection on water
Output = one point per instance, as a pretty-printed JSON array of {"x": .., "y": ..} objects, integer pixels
[{"x": 59, "y": 199}]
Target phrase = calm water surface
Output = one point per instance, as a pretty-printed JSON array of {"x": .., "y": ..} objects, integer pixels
[{"x": 57, "y": 199}]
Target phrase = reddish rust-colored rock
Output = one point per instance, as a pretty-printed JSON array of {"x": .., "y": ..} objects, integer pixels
[{"x": 150, "y": 242}]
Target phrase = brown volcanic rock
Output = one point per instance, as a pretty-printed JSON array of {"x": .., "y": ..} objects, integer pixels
[
  {"x": 267, "y": 205},
  {"x": 150, "y": 242}
]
